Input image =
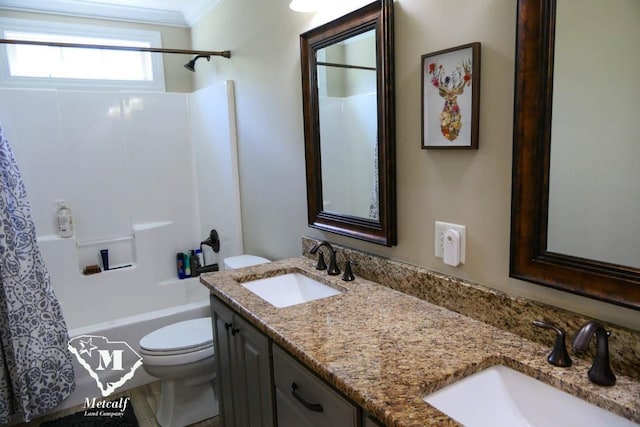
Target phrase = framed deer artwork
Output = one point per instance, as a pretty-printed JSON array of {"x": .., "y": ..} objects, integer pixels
[{"x": 451, "y": 97}]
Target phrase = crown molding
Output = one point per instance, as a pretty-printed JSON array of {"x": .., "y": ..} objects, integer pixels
[
  {"x": 83, "y": 9},
  {"x": 197, "y": 10}
]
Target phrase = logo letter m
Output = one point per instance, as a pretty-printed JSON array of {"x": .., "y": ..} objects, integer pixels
[{"x": 107, "y": 358}]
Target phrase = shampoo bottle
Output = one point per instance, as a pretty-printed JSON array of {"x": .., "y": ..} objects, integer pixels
[
  {"x": 187, "y": 264},
  {"x": 195, "y": 264},
  {"x": 64, "y": 220},
  {"x": 180, "y": 265}
]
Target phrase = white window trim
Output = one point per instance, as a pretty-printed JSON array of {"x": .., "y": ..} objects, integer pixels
[{"x": 13, "y": 24}]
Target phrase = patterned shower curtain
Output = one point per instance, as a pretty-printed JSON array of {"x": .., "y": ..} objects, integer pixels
[{"x": 36, "y": 371}]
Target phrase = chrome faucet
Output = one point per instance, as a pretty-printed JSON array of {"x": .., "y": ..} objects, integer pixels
[
  {"x": 600, "y": 372},
  {"x": 333, "y": 269}
]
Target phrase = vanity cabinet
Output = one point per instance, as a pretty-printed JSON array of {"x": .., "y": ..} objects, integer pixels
[
  {"x": 303, "y": 400},
  {"x": 256, "y": 380},
  {"x": 243, "y": 387},
  {"x": 369, "y": 421}
]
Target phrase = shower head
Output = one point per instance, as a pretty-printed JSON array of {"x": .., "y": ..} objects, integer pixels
[{"x": 191, "y": 65}]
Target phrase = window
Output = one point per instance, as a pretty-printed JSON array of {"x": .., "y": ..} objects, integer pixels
[{"x": 66, "y": 67}]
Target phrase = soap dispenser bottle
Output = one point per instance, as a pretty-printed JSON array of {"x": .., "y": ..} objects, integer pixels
[{"x": 64, "y": 219}]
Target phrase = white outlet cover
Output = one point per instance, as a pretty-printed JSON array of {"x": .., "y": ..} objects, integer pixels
[{"x": 441, "y": 227}]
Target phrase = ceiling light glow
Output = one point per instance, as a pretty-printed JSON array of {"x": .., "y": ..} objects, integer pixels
[{"x": 305, "y": 6}]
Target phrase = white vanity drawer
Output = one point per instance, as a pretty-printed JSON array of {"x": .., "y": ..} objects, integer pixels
[{"x": 302, "y": 399}]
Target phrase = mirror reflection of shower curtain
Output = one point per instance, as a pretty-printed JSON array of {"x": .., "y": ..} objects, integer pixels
[
  {"x": 36, "y": 371},
  {"x": 374, "y": 211}
]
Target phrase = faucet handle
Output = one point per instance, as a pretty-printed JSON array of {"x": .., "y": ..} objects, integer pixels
[
  {"x": 348, "y": 274},
  {"x": 558, "y": 355},
  {"x": 322, "y": 265},
  {"x": 333, "y": 269}
]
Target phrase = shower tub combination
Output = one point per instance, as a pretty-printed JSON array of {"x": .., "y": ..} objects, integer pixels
[{"x": 116, "y": 176}]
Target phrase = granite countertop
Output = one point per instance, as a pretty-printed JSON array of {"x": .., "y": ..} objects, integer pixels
[{"x": 386, "y": 350}]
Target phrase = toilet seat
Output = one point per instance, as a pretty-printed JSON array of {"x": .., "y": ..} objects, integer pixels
[
  {"x": 179, "y": 343},
  {"x": 175, "y": 352},
  {"x": 153, "y": 359}
]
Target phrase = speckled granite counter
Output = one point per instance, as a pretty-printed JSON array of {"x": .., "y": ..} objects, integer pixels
[{"x": 386, "y": 350}]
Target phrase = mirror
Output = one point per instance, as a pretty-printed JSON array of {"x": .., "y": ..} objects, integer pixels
[
  {"x": 349, "y": 124},
  {"x": 575, "y": 198}
]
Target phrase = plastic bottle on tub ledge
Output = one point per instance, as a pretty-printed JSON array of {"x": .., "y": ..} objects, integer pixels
[
  {"x": 195, "y": 263},
  {"x": 187, "y": 264},
  {"x": 199, "y": 257},
  {"x": 180, "y": 265},
  {"x": 64, "y": 220}
]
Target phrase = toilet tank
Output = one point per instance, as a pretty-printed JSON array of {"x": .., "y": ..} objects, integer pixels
[{"x": 240, "y": 261}]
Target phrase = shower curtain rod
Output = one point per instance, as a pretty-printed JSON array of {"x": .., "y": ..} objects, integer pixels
[{"x": 224, "y": 53}]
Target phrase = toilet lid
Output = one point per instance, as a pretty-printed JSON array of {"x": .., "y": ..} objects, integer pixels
[{"x": 189, "y": 334}]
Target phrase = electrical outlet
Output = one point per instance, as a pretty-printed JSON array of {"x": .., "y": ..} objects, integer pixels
[{"x": 441, "y": 228}]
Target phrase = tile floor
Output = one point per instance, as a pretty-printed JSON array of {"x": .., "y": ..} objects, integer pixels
[{"x": 144, "y": 400}]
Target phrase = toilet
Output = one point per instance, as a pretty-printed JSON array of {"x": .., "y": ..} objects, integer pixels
[{"x": 181, "y": 356}]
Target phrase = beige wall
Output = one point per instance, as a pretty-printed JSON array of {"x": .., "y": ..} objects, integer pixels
[
  {"x": 177, "y": 79},
  {"x": 470, "y": 187}
]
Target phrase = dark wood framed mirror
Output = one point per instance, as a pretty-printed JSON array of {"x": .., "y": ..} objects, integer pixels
[
  {"x": 349, "y": 124},
  {"x": 545, "y": 41}
]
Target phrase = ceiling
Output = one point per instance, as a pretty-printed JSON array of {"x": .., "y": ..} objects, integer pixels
[{"x": 181, "y": 13}]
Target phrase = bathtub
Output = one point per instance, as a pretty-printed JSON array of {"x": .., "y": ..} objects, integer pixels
[{"x": 128, "y": 329}]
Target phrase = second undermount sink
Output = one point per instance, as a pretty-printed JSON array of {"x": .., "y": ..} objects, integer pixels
[
  {"x": 500, "y": 396},
  {"x": 289, "y": 289}
]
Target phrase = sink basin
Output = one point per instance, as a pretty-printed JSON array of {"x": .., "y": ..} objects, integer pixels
[
  {"x": 289, "y": 289},
  {"x": 501, "y": 396}
]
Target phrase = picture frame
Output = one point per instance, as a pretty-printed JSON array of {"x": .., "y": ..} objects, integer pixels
[{"x": 451, "y": 97}]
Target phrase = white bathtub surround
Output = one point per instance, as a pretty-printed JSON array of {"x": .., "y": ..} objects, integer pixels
[
  {"x": 216, "y": 167},
  {"x": 145, "y": 174}
]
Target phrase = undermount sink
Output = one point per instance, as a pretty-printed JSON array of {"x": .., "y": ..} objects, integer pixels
[
  {"x": 289, "y": 289},
  {"x": 501, "y": 396}
]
